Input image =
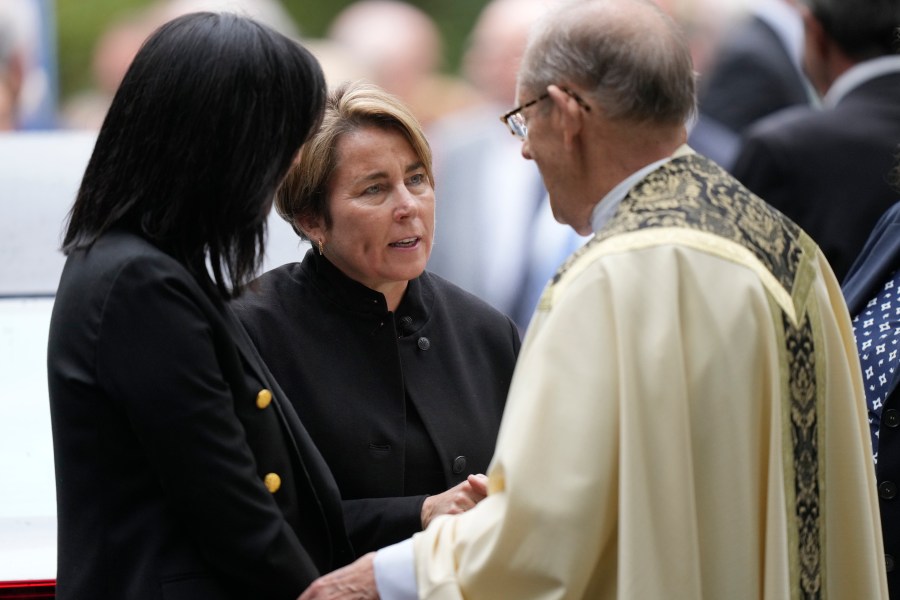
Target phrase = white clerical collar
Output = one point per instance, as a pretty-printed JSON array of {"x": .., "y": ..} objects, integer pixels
[
  {"x": 859, "y": 74},
  {"x": 606, "y": 208}
]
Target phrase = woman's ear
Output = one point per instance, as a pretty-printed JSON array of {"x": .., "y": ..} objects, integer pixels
[{"x": 312, "y": 227}]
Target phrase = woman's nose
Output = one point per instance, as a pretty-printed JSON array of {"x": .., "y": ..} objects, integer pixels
[{"x": 406, "y": 203}]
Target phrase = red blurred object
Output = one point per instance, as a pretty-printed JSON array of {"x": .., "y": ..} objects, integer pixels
[{"x": 27, "y": 590}]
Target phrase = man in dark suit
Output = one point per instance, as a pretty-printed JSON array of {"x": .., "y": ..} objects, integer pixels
[
  {"x": 872, "y": 296},
  {"x": 828, "y": 170}
]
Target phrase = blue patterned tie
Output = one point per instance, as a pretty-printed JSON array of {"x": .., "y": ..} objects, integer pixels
[{"x": 877, "y": 331}]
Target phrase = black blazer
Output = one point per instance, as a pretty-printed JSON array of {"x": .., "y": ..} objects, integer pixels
[
  {"x": 881, "y": 257},
  {"x": 828, "y": 170},
  {"x": 164, "y": 437},
  {"x": 348, "y": 365},
  {"x": 752, "y": 76}
]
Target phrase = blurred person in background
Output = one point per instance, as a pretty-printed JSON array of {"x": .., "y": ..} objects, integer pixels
[
  {"x": 112, "y": 54},
  {"x": 757, "y": 68},
  {"x": 27, "y": 86},
  {"x": 12, "y": 72},
  {"x": 182, "y": 471},
  {"x": 706, "y": 23},
  {"x": 828, "y": 170},
  {"x": 399, "y": 376},
  {"x": 498, "y": 238},
  {"x": 401, "y": 48},
  {"x": 120, "y": 41}
]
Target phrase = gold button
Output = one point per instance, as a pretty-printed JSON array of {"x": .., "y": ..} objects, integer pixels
[
  {"x": 263, "y": 398},
  {"x": 273, "y": 482}
]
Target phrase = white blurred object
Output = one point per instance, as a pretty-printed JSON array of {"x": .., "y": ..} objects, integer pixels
[{"x": 40, "y": 173}]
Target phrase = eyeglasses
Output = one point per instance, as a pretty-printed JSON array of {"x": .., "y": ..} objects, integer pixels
[{"x": 516, "y": 122}]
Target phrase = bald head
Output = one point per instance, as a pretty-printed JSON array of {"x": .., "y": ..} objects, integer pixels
[
  {"x": 398, "y": 42},
  {"x": 630, "y": 56},
  {"x": 496, "y": 45}
]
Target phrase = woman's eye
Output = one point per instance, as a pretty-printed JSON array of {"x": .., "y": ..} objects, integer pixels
[
  {"x": 372, "y": 189},
  {"x": 417, "y": 179}
]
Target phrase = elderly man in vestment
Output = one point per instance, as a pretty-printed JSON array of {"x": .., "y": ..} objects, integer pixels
[{"x": 686, "y": 418}]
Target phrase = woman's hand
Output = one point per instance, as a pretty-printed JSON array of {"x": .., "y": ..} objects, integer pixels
[{"x": 457, "y": 499}]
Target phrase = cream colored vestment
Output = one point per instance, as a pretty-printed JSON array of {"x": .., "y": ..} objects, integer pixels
[{"x": 686, "y": 420}]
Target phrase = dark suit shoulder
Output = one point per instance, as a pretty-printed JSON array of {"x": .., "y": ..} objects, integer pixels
[
  {"x": 268, "y": 297},
  {"x": 457, "y": 296},
  {"x": 785, "y": 122},
  {"x": 115, "y": 249},
  {"x": 124, "y": 262},
  {"x": 878, "y": 258}
]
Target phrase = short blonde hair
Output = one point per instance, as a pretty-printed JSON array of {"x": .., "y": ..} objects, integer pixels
[{"x": 304, "y": 193}]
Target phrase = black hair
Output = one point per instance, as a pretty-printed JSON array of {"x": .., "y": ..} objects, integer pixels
[
  {"x": 863, "y": 29},
  {"x": 199, "y": 136}
]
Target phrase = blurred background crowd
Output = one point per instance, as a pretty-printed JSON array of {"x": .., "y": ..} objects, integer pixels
[
  {"x": 62, "y": 59},
  {"x": 454, "y": 64}
]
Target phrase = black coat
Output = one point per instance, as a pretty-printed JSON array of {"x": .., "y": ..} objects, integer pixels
[
  {"x": 872, "y": 269},
  {"x": 163, "y": 443},
  {"x": 752, "y": 76},
  {"x": 828, "y": 170},
  {"x": 348, "y": 365}
]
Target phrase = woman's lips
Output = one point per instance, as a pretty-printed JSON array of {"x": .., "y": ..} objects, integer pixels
[{"x": 410, "y": 242}]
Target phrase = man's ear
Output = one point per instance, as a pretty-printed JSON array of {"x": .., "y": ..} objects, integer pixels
[
  {"x": 570, "y": 115},
  {"x": 817, "y": 47}
]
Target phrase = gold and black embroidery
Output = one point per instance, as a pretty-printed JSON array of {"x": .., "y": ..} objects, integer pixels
[
  {"x": 804, "y": 429},
  {"x": 691, "y": 192}
]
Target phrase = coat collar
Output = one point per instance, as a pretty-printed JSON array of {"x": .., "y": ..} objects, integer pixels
[
  {"x": 411, "y": 314},
  {"x": 860, "y": 75},
  {"x": 301, "y": 443},
  {"x": 880, "y": 258}
]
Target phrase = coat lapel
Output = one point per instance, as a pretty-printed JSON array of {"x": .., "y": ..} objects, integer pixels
[{"x": 307, "y": 454}]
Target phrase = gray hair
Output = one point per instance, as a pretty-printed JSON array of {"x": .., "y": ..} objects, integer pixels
[{"x": 637, "y": 69}]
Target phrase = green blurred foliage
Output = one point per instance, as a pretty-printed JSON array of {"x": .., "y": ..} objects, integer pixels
[
  {"x": 81, "y": 22},
  {"x": 453, "y": 17}
]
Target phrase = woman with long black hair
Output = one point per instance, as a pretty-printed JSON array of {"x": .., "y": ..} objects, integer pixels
[{"x": 181, "y": 470}]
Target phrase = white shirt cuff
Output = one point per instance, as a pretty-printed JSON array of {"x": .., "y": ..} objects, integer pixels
[{"x": 395, "y": 572}]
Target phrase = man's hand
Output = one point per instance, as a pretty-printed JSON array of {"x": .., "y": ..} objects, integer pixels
[
  {"x": 457, "y": 499},
  {"x": 356, "y": 581}
]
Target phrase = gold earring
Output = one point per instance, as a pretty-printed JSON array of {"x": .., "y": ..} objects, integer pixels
[{"x": 321, "y": 248}]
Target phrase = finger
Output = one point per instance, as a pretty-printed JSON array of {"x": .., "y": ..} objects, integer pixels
[
  {"x": 467, "y": 500},
  {"x": 319, "y": 590},
  {"x": 464, "y": 503},
  {"x": 479, "y": 483}
]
